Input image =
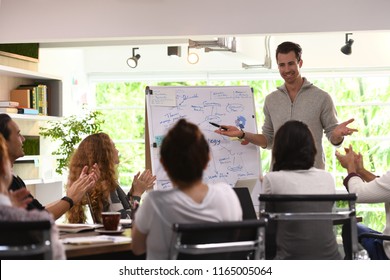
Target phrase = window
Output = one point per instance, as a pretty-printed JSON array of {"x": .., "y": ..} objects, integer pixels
[{"x": 363, "y": 97}]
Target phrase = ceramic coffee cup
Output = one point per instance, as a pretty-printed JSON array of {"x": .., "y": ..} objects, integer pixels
[{"x": 111, "y": 220}]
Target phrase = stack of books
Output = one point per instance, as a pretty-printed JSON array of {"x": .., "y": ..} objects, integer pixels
[
  {"x": 7, "y": 106},
  {"x": 32, "y": 99}
]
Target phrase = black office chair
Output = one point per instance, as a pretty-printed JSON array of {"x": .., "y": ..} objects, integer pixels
[
  {"x": 248, "y": 210},
  {"x": 220, "y": 240},
  {"x": 379, "y": 236},
  {"x": 311, "y": 213},
  {"x": 374, "y": 235},
  {"x": 25, "y": 240}
]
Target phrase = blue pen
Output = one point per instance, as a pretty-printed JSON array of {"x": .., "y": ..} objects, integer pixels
[{"x": 217, "y": 125}]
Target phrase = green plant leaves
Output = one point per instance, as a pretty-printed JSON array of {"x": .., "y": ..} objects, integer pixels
[{"x": 69, "y": 132}]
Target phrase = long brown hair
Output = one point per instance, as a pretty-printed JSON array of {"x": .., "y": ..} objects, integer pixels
[{"x": 96, "y": 148}]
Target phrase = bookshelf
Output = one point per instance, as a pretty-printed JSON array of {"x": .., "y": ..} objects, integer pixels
[
  {"x": 11, "y": 78},
  {"x": 38, "y": 172}
]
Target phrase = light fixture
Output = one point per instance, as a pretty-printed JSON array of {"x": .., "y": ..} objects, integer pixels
[
  {"x": 132, "y": 62},
  {"x": 174, "y": 51},
  {"x": 221, "y": 44},
  {"x": 267, "y": 60},
  {"x": 192, "y": 57},
  {"x": 347, "y": 48}
]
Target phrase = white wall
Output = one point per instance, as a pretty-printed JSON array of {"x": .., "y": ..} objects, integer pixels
[
  {"x": 68, "y": 64},
  {"x": 75, "y": 20}
]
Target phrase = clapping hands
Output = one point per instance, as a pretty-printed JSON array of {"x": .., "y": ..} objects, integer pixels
[
  {"x": 84, "y": 183},
  {"x": 352, "y": 161},
  {"x": 142, "y": 182}
]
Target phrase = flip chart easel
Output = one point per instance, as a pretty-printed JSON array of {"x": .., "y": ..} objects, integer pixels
[{"x": 231, "y": 105}]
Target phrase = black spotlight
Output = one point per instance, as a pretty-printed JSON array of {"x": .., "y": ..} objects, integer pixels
[
  {"x": 132, "y": 62},
  {"x": 347, "y": 48}
]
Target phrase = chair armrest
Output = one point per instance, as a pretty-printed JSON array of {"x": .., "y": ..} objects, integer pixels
[
  {"x": 374, "y": 235},
  {"x": 306, "y": 197},
  {"x": 25, "y": 225}
]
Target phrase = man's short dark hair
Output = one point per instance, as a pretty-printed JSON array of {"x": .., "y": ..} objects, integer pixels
[
  {"x": 4, "y": 121},
  {"x": 287, "y": 47}
]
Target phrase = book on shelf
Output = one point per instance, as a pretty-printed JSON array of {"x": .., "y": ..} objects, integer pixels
[
  {"x": 74, "y": 228},
  {"x": 8, "y": 103},
  {"x": 27, "y": 111},
  {"x": 38, "y": 97},
  {"x": 22, "y": 96},
  {"x": 42, "y": 99},
  {"x": 10, "y": 110},
  {"x": 33, "y": 95}
]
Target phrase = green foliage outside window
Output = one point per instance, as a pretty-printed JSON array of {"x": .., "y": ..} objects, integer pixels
[{"x": 364, "y": 98}]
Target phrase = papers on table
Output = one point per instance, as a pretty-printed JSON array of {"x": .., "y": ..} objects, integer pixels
[
  {"x": 125, "y": 221},
  {"x": 99, "y": 239},
  {"x": 77, "y": 227}
]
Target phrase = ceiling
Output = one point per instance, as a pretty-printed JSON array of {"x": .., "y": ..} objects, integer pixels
[{"x": 320, "y": 51}]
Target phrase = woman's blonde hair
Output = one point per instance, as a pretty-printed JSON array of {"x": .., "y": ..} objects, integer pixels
[{"x": 96, "y": 148}]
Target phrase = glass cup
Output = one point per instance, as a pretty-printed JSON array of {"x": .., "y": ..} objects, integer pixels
[{"x": 111, "y": 220}]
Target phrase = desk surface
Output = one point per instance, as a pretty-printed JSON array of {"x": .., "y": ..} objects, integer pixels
[{"x": 94, "y": 250}]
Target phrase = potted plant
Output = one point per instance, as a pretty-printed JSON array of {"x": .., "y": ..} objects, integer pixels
[{"x": 69, "y": 132}]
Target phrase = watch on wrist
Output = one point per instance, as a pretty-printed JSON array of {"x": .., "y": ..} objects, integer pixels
[
  {"x": 243, "y": 135},
  {"x": 69, "y": 200}
]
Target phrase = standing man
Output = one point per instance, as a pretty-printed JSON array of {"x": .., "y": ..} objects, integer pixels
[
  {"x": 297, "y": 99},
  {"x": 11, "y": 133}
]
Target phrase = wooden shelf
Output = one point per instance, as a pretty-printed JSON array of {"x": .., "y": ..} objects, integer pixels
[
  {"x": 40, "y": 169},
  {"x": 34, "y": 117},
  {"x": 22, "y": 73},
  {"x": 11, "y": 78}
]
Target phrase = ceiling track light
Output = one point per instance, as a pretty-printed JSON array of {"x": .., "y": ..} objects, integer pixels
[
  {"x": 192, "y": 57},
  {"x": 267, "y": 60},
  {"x": 132, "y": 62},
  {"x": 347, "y": 48},
  {"x": 174, "y": 51},
  {"x": 221, "y": 44}
]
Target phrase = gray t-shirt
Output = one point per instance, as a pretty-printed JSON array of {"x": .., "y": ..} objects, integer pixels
[{"x": 161, "y": 209}]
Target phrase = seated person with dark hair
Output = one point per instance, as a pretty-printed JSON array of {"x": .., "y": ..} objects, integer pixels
[
  {"x": 184, "y": 155},
  {"x": 293, "y": 172},
  {"x": 12, "y": 211},
  {"x": 86, "y": 181}
]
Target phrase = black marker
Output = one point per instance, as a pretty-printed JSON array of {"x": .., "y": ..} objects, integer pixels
[{"x": 217, "y": 125}]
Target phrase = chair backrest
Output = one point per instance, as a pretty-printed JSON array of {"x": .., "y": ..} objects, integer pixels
[
  {"x": 248, "y": 210},
  {"x": 310, "y": 216},
  {"x": 25, "y": 240},
  {"x": 219, "y": 240}
]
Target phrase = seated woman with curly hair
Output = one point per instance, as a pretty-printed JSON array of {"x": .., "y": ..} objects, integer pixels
[{"x": 107, "y": 195}]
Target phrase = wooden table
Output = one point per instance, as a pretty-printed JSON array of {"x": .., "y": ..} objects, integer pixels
[{"x": 99, "y": 251}]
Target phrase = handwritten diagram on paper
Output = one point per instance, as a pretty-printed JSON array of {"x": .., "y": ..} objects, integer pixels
[{"x": 230, "y": 160}]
